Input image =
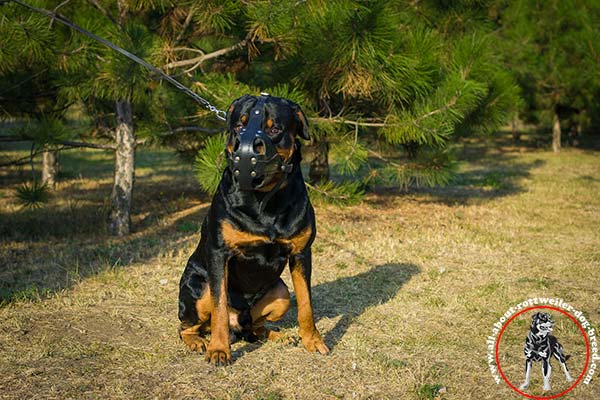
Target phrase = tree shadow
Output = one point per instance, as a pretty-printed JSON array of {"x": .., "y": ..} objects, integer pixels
[
  {"x": 496, "y": 177},
  {"x": 45, "y": 250},
  {"x": 487, "y": 173}
]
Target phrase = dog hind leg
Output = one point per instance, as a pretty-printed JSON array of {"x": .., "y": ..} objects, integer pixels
[
  {"x": 192, "y": 334},
  {"x": 558, "y": 353},
  {"x": 271, "y": 307},
  {"x": 566, "y": 371}
]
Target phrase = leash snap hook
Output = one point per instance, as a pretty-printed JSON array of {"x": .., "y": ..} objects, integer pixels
[{"x": 220, "y": 114}]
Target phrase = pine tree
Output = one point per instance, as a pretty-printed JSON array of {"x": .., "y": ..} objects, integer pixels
[
  {"x": 29, "y": 58},
  {"x": 555, "y": 60},
  {"x": 79, "y": 70},
  {"x": 386, "y": 84}
]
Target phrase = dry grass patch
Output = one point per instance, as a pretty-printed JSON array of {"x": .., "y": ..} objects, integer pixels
[{"x": 406, "y": 286}]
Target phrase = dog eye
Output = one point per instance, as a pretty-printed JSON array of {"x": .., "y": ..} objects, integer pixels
[{"x": 275, "y": 131}]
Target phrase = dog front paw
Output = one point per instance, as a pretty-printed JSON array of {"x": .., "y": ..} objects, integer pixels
[
  {"x": 314, "y": 342},
  {"x": 524, "y": 386},
  {"x": 547, "y": 387},
  {"x": 196, "y": 343},
  {"x": 218, "y": 357}
]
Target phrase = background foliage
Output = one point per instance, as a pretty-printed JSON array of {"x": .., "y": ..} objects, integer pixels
[{"x": 388, "y": 86}]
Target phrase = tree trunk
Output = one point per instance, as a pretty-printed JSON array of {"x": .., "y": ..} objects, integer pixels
[
  {"x": 319, "y": 165},
  {"x": 574, "y": 134},
  {"x": 120, "y": 215},
  {"x": 516, "y": 135},
  {"x": 556, "y": 133},
  {"x": 49, "y": 168}
]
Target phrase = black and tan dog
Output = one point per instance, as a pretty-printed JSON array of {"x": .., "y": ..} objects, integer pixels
[
  {"x": 260, "y": 220},
  {"x": 540, "y": 345}
]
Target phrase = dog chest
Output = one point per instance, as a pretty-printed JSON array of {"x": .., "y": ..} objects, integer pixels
[{"x": 260, "y": 266}]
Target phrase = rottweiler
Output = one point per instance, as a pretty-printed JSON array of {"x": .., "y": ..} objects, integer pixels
[
  {"x": 540, "y": 345},
  {"x": 260, "y": 219}
]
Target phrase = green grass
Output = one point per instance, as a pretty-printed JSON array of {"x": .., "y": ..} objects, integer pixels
[{"x": 406, "y": 287}]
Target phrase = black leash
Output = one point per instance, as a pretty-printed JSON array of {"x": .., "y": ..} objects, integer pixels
[{"x": 57, "y": 17}]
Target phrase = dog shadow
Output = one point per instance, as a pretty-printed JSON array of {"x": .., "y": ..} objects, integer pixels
[
  {"x": 347, "y": 298},
  {"x": 350, "y": 296}
]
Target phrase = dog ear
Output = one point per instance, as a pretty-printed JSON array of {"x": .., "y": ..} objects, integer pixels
[
  {"x": 301, "y": 120},
  {"x": 230, "y": 121}
]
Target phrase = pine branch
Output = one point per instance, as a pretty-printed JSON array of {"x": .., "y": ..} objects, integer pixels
[
  {"x": 437, "y": 111},
  {"x": 190, "y": 129},
  {"x": 593, "y": 51},
  {"x": 10, "y": 139},
  {"x": 56, "y": 10},
  {"x": 103, "y": 11},
  {"x": 340, "y": 120},
  {"x": 182, "y": 129},
  {"x": 197, "y": 61},
  {"x": 332, "y": 193},
  {"x": 67, "y": 145},
  {"x": 188, "y": 49},
  {"x": 71, "y": 144},
  {"x": 186, "y": 24},
  {"x": 24, "y": 160},
  {"x": 386, "y": 160},
  {"x": 326, "y": 193}
]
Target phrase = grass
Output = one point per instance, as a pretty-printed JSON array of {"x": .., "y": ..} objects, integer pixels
[{"x": 406, "y": 287}]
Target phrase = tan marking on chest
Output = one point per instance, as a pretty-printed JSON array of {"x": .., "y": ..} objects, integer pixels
[
  {"x": 299, "y": 241},
  {"x": 235, "y": 238}
]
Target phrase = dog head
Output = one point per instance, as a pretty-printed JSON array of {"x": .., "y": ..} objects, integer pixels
[
  {"x": 541, "y": 324},
  {"x": 262, "y": 140}
]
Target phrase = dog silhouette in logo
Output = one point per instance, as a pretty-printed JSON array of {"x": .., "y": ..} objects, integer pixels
[{"x": 540, "y": 345}]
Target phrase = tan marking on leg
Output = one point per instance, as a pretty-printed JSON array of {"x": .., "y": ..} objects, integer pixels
[
  {"x": 271, "y": 307},
  {"x": 218, "y": 351},
  {"x": 311, "y": 338},
  {"x": 192, "y": 335},
  {"x": 204, "y": 306},
  {"x": 234, "y": 319}
]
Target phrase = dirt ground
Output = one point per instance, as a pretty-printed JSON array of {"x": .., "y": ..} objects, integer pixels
[{"x": 406, "y": 286}]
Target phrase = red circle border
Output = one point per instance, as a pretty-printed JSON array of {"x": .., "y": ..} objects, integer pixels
[{"x": 587, "y": 357}]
